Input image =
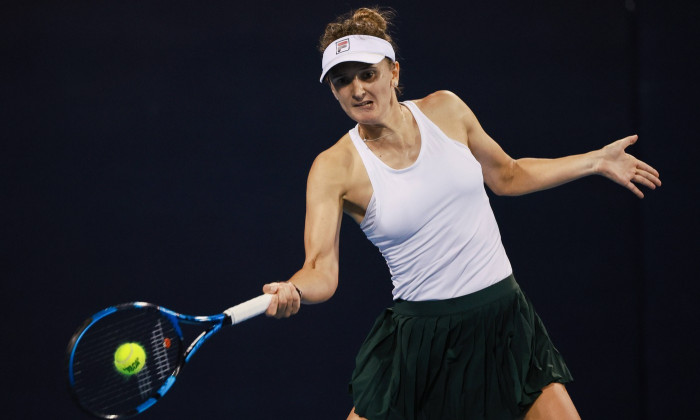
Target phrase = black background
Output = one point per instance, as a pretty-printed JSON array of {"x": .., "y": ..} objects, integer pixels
[{"x": 158, "y": 151}]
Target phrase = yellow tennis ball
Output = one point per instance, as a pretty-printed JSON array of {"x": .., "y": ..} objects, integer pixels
[{"x": 129, "y": 358}]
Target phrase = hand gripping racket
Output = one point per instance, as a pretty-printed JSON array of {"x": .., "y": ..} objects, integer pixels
[{"x": 104, "y": 391}]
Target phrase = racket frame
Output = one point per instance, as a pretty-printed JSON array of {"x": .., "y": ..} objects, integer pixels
[{"x": 214, "y": 323}]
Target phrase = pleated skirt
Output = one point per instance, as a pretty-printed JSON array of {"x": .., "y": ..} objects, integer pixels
[{"x": 485, "y": 355}]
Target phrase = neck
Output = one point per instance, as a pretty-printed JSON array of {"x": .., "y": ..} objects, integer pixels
[{"x": 391, "y": 130}]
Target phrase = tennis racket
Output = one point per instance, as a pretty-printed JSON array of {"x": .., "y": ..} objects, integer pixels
[{"x": 102, "y": 390}]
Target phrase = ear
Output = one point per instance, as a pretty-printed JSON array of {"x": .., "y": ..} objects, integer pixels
[{"x": 395, "y": 74}]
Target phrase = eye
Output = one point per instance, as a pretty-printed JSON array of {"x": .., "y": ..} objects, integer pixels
[
  {"x": 368, "y": 74},
  {"x": 340, "y": 81}
]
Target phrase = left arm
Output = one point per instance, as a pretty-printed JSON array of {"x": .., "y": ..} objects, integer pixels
[{"x": 507, "y": 176}]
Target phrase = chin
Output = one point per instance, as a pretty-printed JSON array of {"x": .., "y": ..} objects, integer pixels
[{"x": 365, "y": 116}]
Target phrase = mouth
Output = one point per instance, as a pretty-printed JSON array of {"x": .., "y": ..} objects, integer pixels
[{"x": 363, "y": 104}]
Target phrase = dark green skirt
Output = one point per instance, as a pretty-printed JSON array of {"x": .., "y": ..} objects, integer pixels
[{"x": 485, "y": 355}]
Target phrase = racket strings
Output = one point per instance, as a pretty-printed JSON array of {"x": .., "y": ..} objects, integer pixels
[
  {"x": 160, "y": 357},
  {"x": 98, "y": 386}
]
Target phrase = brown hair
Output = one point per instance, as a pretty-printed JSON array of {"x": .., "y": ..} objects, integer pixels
[{"x": 363, "y": 21}]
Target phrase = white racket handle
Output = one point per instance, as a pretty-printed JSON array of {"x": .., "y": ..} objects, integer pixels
[{"x": 248, "y": 309}]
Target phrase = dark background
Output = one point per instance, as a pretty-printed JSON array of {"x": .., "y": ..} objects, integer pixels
[{"x": 158, "y": 151}]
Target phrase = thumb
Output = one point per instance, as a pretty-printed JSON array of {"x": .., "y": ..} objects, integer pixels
[{"x": 270, "y": 288}]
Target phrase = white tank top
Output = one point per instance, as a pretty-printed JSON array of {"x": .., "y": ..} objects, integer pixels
[{"x": 432, "y": 221}]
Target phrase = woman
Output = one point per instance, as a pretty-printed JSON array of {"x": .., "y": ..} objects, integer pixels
[{"x": 462, "y": 341}]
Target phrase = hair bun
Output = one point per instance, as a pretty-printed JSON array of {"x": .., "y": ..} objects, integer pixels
[
  {"x": 370, "y": 17},
  {"x": 363, "y": 21}
]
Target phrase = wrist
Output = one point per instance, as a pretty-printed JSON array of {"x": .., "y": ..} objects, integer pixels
[
  {"x": 595, "y": 159},
  {"x": 301, "y": 295}
]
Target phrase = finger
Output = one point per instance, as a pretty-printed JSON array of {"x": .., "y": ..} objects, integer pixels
[
  {"x": 649, "y": 177},
  {"x": 294, "y": 301},
  {"x": 291, "y": 296},
  {"x": 282, "y": 302},
  {"x": 625, "y": 142},
  {"x": 297, "y": 300},
  {"x": 288, "y": 296},
  {"x": 630, "y": 186},
  {"x": 646, "y": 167},
  {"x": 294, "y": 297},
  {"x": 641, "y": 179},
  {"x": 272, "y": 307},
  {"x": 290, "y": 310}
]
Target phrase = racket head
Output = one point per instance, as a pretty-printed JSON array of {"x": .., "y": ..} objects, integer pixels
[{"x": 95, "y": 383}]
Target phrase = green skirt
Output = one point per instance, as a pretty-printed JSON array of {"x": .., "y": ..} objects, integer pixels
[{"x": 485, "y": 355}]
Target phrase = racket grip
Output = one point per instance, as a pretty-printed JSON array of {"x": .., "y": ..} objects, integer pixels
[{"x": 248, "y": 309}]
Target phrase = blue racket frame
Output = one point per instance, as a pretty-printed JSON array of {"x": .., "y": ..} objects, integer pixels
[{"x": 214, "y": 323}]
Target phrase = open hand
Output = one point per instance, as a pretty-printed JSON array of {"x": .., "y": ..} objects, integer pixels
[{"x": 625, "y": 169}]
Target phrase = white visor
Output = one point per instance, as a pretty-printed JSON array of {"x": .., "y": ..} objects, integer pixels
[{"x": 363, "y": 48}]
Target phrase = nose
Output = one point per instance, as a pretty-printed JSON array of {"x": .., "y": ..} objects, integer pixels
[{"x": 358, "y": 89}]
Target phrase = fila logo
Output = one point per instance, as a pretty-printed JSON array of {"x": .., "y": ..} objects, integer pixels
[{"x": 342, "y": 46}]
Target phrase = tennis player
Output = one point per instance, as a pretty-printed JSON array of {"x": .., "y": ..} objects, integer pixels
[{"x": 462, "y": 341}]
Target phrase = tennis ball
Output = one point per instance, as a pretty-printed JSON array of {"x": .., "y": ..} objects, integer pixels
[{"x": 129, "y": 358}]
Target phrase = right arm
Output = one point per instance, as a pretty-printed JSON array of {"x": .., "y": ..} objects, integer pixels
[{"x": 318, "y": 277}]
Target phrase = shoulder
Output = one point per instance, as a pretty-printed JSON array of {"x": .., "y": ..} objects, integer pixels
[
  {"x": 337, "y": 156},
  {"x": 449, "y": 113},
  {"x": 442, "y": 104},
  {"x": 335, "y": 164}
]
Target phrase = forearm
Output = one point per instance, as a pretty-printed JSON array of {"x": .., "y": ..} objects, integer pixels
[
  {"x": 310, "y": 284},
  {"x": 528, "y": 175},
  {"x": 315, "y": 284}
]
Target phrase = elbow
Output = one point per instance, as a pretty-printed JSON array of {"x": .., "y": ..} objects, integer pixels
[
  {"x": 505, "y": 191},
  {"x": 329, "y": 285},
  {"x": 507, "y": 185},
  {"x": 501, "y": 181},
  {"x": 497, "y": 189},
  {"x": 323, "y": 285}
]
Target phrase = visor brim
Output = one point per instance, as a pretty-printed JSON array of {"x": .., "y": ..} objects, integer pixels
[{"x": 361, "y": 57}]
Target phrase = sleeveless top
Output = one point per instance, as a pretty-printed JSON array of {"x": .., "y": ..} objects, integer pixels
[{"x": 432, "y": 221}]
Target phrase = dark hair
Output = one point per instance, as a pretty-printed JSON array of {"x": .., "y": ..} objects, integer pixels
[{"x": 363, "y": 21}]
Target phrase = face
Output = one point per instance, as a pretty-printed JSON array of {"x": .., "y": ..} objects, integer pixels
[{"x": 364, "y": 91}]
